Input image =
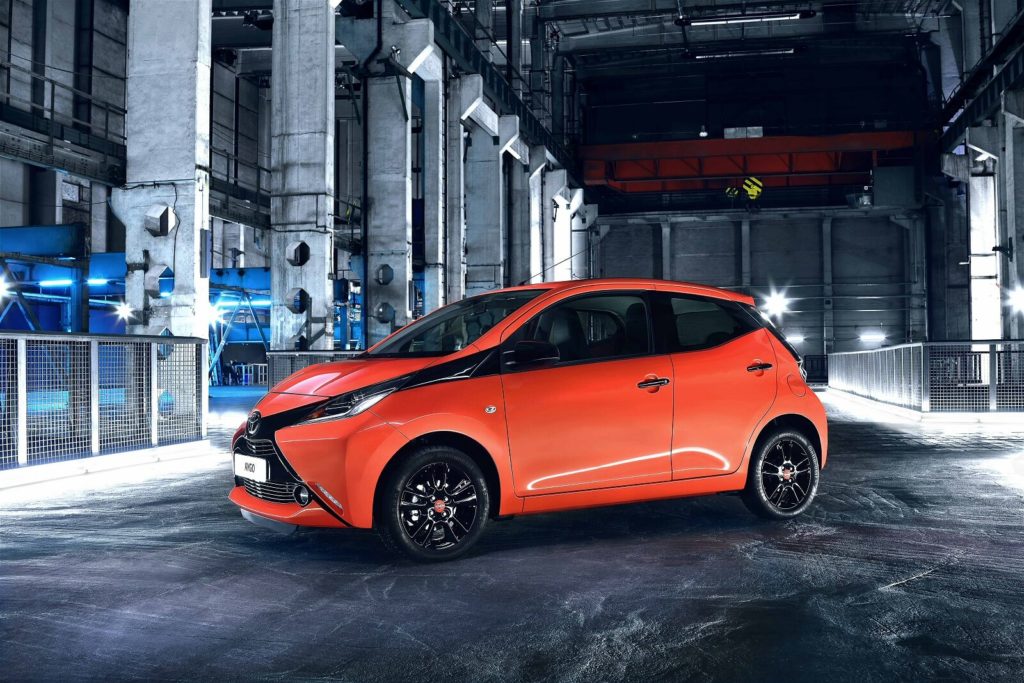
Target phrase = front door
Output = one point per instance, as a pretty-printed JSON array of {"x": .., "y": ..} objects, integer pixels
[{"x": 602, "y": 415}]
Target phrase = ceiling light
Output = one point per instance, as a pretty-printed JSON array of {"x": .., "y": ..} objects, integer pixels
[
  {"x": 55, "y": 283},
  {"x": 776, "y": 304},
  {"x": 734, "y": 54},
  {"x": 1015, "y": 300},
  {"x": 726, "y": 19},
  {"x": 123, "y": 310},
  {"x": 872, "y": 337},
  {"x": 4, "y": 289},
  {"x": 795, "y": 338},
  {"x": 97, "y": 281},
  {"x": 703, "y": 131}
]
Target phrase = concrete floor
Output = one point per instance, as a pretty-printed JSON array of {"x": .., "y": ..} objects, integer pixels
[{"x": 911, "y": 566}]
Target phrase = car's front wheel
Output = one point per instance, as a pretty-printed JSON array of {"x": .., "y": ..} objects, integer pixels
[
  {"x": 434, "y": 505},
  {"x": 783, "y": 476}
]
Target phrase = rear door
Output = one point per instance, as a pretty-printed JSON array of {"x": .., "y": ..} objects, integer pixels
[
  {"x": 602, "y": 415},
  {"x": 724, "y": 372}
]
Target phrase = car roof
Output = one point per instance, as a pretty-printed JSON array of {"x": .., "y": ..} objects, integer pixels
[{"x": 640, "y": 283}]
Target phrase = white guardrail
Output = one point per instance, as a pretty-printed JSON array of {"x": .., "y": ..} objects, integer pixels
[
  {"x": 954, "y": 376},
  {"x": 65, "y": 396}
]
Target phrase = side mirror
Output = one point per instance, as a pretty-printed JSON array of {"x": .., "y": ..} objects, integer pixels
[{"x": 534, "y": 353}]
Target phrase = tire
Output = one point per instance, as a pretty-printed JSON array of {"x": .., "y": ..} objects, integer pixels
[
  {"x": 783, "y": 476},
  {"x": 433, "y": 506}
]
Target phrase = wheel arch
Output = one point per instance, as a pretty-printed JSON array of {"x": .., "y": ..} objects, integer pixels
[
  {"x": 790, "y": 421},
  {"x": 471, "y": 447}
]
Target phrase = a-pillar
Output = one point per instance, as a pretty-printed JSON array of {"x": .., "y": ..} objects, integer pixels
[
  {"x": 165, "y": 203},
  {"x": 389, "y": 177},
  {"x": 302, "y": 178}
]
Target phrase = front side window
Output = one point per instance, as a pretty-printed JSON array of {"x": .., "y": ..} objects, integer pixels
[
  {"x": 691, "y": 323},
  {"x": 454, "y": 327},
  {"x": 592, "y": 327}
]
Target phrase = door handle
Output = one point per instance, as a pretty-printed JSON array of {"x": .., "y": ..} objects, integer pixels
[
  {"x": 653, "y": 383},
  {"x": 759, "y": 367}
]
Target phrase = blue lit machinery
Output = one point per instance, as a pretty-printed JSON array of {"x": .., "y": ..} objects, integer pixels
[{"x": 50, "y": 282}]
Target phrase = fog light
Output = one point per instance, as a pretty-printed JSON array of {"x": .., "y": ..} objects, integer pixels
[{"x": 302, "y": 495}]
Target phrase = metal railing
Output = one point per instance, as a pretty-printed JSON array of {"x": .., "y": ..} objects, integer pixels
[
  {"x": 960, "y": 376},
  {"x": 71, "y": 396},
  {"x": 104, "y": 120},
  {"x": 283, "y": 363}
]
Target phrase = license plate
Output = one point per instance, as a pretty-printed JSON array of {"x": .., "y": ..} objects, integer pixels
[{"x": 250, "y": 468}]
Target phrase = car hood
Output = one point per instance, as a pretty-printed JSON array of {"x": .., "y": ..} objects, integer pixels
[{"x": 338, "y": 377}]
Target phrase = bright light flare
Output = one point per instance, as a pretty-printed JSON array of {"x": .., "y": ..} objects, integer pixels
[
  {"x": 795, "y": 338},
  {"x": 4, "y": 289},
  {"x": 1015, "y": 300},
  {"x": 123, "y": 310},
  {"x": 211, "y": 314},
  {"x": 776, "y": 304},
  {"x": 872, "y": 337}
]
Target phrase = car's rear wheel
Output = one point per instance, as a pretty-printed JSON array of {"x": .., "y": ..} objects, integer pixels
[
  {"x": 433, "y": 505},
  {"x": 783, "y": 476}
]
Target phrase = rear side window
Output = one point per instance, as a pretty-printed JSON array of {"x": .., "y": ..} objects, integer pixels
[
  {"x": 691, "y": 323},
  {"x": 766, "y": 322}
]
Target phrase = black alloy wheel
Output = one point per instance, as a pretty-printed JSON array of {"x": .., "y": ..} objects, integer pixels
[
  {"x": 783, "y": 476},
  {"x": 434, "y": 505}
]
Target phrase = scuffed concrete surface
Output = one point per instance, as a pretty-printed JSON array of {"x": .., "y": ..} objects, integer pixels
[{"x": 911, "y": 566}]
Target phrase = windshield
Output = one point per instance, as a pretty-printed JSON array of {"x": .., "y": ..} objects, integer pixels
[{"x": 454, "y": 327}]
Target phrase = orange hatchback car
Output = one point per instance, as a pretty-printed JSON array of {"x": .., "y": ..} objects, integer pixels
[{"x": 535, "y": 399}]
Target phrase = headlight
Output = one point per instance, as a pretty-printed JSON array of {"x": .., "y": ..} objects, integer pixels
[{"x": 354, "y": 402}]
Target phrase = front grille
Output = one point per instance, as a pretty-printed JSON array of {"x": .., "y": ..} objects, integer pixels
[
  {"x": 261, "y": 448},
  {"x": 272, "y": 491}
]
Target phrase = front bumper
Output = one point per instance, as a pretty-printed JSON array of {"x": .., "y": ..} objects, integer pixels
[{"x": 291, "y": 514}]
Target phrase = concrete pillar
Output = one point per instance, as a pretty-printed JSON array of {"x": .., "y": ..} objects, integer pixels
[
  {"x": 558, "y": 98},
  {"x": 98, "y": 217},
  {"x": 828, "y": 336},
  {"x": 553, "y": 214},
  {"x": 455, "y": 210},
  {"x": 389, "y": 178},
  {"x": 666, "y": 251},
  {"x": 435, "y": 217},
  {"x": 514, "y": 44},
  {"x": 389, "y": 231},
  {"x": 744, "y": 254},
  {"x": 484, "y": 14},
  {"x": 168, "y": 130},
  {"x": 519, "y": 258},
  {"x": 578, "y": 243},
  {"x": 1013, "y": 199},
  {"x": 60, "y": 54},
  {"x": 302, "y": 178},
  {"x": 485, "y": 213},
  {"x": 538, "y": 66},
  {"x": 535, "y": 181}
]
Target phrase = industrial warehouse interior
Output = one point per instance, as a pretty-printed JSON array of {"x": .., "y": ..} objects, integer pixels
[{"x": 211, "y": 211}]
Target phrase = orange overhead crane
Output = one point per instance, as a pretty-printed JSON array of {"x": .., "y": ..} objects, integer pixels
[{"x": 778, "y": 161}]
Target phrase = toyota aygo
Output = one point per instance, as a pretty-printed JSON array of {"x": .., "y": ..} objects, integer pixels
[{"x": 535, "y": 399}]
